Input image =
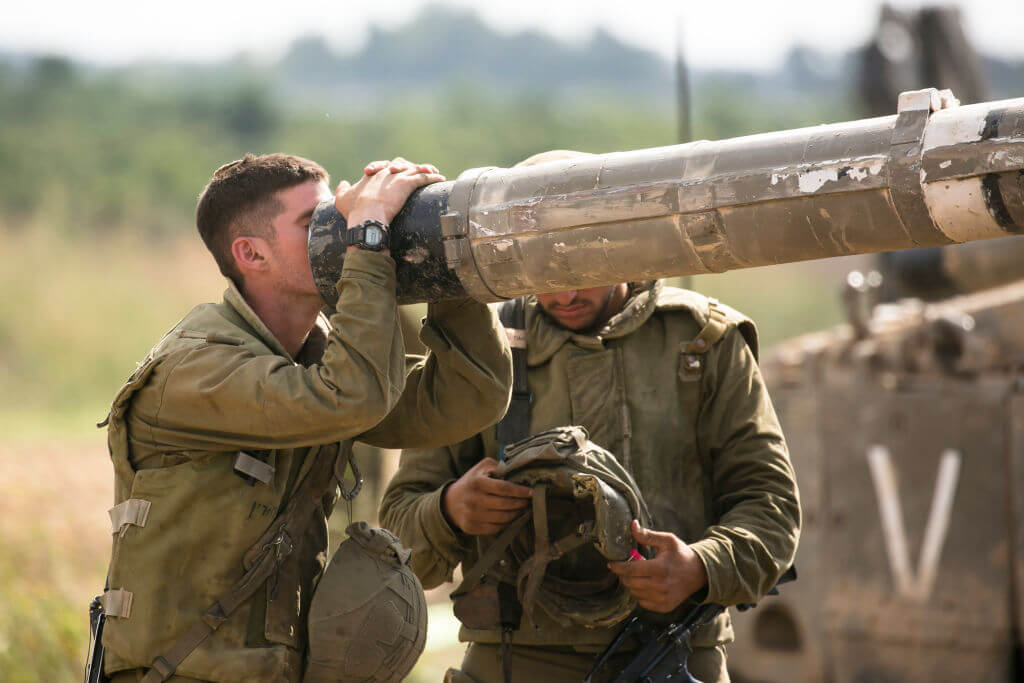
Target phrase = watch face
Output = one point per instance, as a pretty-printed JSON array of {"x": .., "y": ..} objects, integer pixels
[{"x": 374, "y": 235}]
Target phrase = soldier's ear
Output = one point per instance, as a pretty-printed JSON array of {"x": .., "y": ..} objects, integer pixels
[{"x": 250, "y": 253}]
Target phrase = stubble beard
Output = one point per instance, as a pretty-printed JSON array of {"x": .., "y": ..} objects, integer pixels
[{"x": 600, "y": 317}]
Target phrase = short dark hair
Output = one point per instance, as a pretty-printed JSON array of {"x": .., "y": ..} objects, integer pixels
[{"x": 240, "y": 200}]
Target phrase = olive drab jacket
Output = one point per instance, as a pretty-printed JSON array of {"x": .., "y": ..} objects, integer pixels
[
  {"x": 218, "y": 427},
  {"x": 689, "y": 418}
]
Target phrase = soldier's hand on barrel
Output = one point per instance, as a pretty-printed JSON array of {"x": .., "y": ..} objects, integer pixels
[
  {"x": 397, "y": 165},
  {"x": 479, "y": 504},
  {"x": 661, "y": 583},
  {"x": 380, "y": 196}
]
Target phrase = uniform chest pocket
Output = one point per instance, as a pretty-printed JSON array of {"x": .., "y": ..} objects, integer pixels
[{"x": 596, "y": 397}]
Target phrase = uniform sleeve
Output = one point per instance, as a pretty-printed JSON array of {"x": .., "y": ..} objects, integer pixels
[
  {"x": 221, "y": 396},
  {"x": 460, "y": 388},
  {"x": 755, "y": 499},
  {"x": 411, "y": 507}
]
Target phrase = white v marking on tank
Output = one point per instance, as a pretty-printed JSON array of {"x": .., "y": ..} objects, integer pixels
[{"x": 914, "y": 585}]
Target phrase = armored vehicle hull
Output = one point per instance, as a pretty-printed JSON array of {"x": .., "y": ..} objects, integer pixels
[{"x": 908, "y": 441}]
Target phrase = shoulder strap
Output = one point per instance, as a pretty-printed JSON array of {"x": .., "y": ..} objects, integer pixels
[
  {"x": 515, "y": 425},
  {"x": 261, "y": 562},
  {"x": 712, "y": 331}
]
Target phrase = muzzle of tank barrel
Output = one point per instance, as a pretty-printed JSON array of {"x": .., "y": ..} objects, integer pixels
[{"x": 934, "y": 174}]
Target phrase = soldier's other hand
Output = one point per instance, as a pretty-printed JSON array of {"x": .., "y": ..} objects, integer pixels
[
  {"x": 380, "y": 195},
  {"x": 661, "y": 583},
  {"x": 479, "y": 504},
  {"x": 397, "y": 165}
]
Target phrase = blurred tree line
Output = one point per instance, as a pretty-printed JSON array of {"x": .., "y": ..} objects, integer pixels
[{"x": 84, "y": 154}]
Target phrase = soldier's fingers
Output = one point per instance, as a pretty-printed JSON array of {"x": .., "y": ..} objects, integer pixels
[
  {"x": 398, "y": 164},
  {"x": 501, "y": 502},
  {"x": 485, "y": 465},
  {"x": 655, "y": 539},
  {"x": 427, "y": 168},
  {"x": 502, "y": 517},
  {"x": 633, "y": 570},
  {"x": 374, "y": 167},
  {"x": 641, "y": 585},
  {"x": 500, "y": 487},
  {"x": 620, "y": 569},
  {"x": 417, "y": 179}
]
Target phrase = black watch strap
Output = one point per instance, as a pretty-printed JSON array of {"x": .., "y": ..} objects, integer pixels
[{"x": 371, "y": 235}]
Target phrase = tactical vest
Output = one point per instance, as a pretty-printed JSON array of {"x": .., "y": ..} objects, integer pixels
[{"x": 179, "y": 600}]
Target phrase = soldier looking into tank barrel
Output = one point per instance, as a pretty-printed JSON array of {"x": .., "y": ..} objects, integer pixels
[
  {"x": 667, "y": 381},
  {"x": 231, "y": 437}
]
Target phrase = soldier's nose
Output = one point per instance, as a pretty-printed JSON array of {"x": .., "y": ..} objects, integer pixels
[{"x": 565, "y": 298}]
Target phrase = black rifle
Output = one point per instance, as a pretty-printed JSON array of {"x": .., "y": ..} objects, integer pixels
[
  {"x": 94, "y": 663},
  {"x": 665, "y": 648}
]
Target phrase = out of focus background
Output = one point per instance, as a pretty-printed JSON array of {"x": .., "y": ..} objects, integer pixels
[{"x": 112, "y": 119}]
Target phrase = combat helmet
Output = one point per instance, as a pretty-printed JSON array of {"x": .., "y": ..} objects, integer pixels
[
  {"x": 368, "y": 617},
  {"x": 583, "y": 503}
]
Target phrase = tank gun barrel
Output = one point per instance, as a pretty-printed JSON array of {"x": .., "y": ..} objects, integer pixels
[{"x": 933, "y": 174}]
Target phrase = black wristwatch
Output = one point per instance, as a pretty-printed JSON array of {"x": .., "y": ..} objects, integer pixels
[{"x": 370, "y": 235}]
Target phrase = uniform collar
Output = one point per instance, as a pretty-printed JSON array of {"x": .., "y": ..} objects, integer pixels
[
  {"x": 312, "y": 350},
  {"x": 546, "y": 337}
]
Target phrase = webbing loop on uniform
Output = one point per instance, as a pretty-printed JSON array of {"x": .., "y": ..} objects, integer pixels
[
  {"x": 712, "y": 331},
  {"x": 117, "y": 603},
  {"x": 132, "y": 511},
  {"x": 256, "y": 468},
  {"x": 162, "y": 667}
]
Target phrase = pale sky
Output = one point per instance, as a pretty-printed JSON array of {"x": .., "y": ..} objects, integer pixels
[{"x": 747, "y": 34}]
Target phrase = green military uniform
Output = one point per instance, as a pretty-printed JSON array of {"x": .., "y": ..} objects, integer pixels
[
  {"x": 219, "y": 383},
  {"x": 671, "y": 386}
]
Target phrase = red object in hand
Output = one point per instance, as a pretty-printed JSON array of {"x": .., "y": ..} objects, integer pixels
[{"x": 634, "y": 555}]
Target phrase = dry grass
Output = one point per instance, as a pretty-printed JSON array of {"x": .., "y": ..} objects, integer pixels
[
  {"x": 56, "y": 543},
  {"x": 75, "y": 316}
]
